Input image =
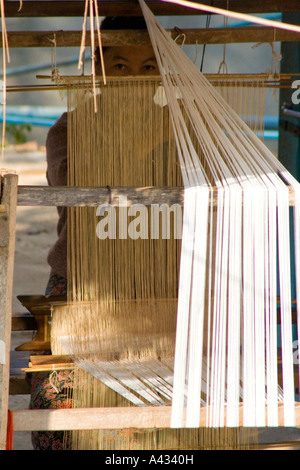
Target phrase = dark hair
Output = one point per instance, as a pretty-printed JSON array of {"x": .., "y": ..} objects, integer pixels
[
  {"x": 123, "y": 22},
  {"x": 120, "y": 22}
]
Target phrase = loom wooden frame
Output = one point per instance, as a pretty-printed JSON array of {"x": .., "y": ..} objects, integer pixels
[
  {"x": 44, "y": 8},
  {"x": 110, "y": 418},
  {"x": 94, "y": 196},
  {"x": 136, "y": 38}
]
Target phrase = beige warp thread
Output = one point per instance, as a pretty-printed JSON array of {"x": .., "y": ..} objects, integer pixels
[{"x": 122, "y": 293}]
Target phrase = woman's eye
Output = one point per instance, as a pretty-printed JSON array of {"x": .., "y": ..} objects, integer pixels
[
  {"x": 149, "y": 68},
  {"x": 120, "y": 67}
]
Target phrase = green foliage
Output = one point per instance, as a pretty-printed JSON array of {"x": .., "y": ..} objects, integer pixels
[{"x": 17, "y": 132}]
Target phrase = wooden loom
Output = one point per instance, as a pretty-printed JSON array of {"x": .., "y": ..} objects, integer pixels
[
  {"x": 151, "y": 417},
  {"x": 25, "y": 420}
]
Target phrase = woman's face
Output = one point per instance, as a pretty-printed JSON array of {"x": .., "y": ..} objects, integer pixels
[{"x": 123, "y": 61}]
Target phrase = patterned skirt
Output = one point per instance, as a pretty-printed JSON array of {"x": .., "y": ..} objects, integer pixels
[{"x": 51, "y": 389}]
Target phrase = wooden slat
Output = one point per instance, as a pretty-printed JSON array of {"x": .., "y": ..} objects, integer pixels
[
  {"x": 250, "y": 34},
  {"x": 40, "y": 304},
  {"x": 67, "y": 8},
  {"x": 49, "y": 359},
  {"x": 88, "y": 196},
  {"x": 94, "y": 196},
  {"x": 110, "y": 418},
  {"x": 8, "y": 200},
  {"x": 95, "y": 418},
  {"x": 49, "y": 363}
]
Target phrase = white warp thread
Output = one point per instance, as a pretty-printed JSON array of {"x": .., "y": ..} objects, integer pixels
[{"x": 232, "y": 251}]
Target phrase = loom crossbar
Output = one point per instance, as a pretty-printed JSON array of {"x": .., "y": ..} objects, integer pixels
[
  {"x": 229, "y": 35},
  {"x": 67, "y": 8},
  {"x": 94, "y": 196},
  {"x": 110, "y": 418}
]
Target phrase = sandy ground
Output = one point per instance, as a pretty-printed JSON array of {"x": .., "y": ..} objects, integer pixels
[{"x": 35, "y": 233}]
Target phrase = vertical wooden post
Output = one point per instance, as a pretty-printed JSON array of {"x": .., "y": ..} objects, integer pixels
[{"x": 8, "y": 203}]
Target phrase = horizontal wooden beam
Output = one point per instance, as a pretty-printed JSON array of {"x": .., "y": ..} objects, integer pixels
[
  {"x": 68, "y": 8},
  {"x": 93, "y": 197},
  {"x": 112, "y": 418},
  {"x": 248, "y": 34},
  {"x": 91, "y": 418},
  {"x": 121, "y": 196},
  {"x": 48, "y": 363}
]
